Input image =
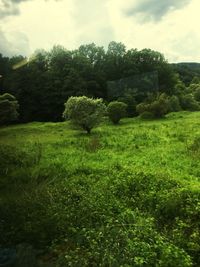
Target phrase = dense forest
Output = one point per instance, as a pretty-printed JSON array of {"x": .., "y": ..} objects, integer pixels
[
  {"x": 43, "y": 82},
  {"x": 187, "y": 71}
]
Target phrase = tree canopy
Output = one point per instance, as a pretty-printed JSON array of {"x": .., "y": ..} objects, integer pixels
[
  {"x": 44, "y": 82},
  {"x": 84, "y": 112}
]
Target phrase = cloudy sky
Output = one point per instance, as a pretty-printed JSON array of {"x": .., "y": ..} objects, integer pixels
[{"x": 168, "y": 26}]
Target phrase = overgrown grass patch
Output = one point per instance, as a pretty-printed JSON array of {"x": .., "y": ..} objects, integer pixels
[{"x": 127, "y": 195}]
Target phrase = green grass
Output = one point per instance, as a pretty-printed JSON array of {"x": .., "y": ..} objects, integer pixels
[{"x": 127, "y": 195}]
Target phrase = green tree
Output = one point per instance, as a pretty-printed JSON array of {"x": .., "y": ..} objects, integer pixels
[
  {"x": 116, "y": 111},
  {"x": 195, "y": 80},
  {"x": 180, "y": 88},
  {"x": 188, "y": 102},
  {"x": 8, "y": 109},
  {"x": 84, "y": 112},
  {"x": 94, "y": 54},
  {"x": 114, "y": 61},
  {"x": 197, "y": 94},
  {"x": 44, "y": 82},
  {"x": 129, "y": 99},
  {"x": 174, "y": 104}
]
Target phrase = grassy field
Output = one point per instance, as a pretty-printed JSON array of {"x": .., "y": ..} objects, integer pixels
[{"x": 126, "y": 195}]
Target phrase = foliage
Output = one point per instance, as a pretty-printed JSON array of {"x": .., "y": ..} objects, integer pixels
[
  {"x": 188, "y": 102},
  {"x": 84, "y": 202},
  {"x": 129, "y": 99},
  {"x": 116, "y": 111},
  {"x": 195, "y": 80},
  {"x": 188, "y": 72},
  {"x": 50, "y": 77},
  {"x": 8, "y": 109},
  {"x": 194, "y": 89},
  {"x": 147, "y": 115},
  {"x": 180, "y": 88},
  {"x": 159, "y": 107},
  {"x": 84, "y": 112},
  {"x": 174, "y": 104},
  {"x": 197, "y": 94}
]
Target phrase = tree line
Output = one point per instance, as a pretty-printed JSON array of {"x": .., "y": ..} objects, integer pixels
[{"x": 43, "y": 83}]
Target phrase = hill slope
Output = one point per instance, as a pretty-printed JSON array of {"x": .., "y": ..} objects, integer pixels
[
  {"x": 127, "y": 195},
  {"x": 187, "y": 71}
]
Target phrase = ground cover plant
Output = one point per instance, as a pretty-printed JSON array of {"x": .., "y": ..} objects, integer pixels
[{"x": 126, "y": 195}]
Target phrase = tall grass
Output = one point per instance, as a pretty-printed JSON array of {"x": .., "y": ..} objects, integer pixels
[{"x": 127, "y": 195}]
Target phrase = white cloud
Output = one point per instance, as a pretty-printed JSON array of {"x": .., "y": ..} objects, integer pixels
[
  {"x": 9, "y": 7},
  {"x": 41, "y": 24},
  {"x": 154, "y": 10},
  {"x": 14, "y": 43},
  {"x": 178, "y": 26},
  {"x": 92, "y": 22}
]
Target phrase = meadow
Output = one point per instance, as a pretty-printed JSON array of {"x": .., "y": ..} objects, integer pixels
[{"x": 125, "y": 195}]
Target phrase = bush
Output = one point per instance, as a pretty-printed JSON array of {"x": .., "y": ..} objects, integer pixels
[
  {"x": 146, "y": 115},
  {"x": 174, "y": 104},
  {"x": 8, "y": 109},
  {"x": 116, "y": 111},
  {"x": 188, "y": 102},
  {"x": 142, "y": 107},
  {"x": 197, "y": 94},
  {"x": 195, "y": 80},
  {"x": 84, "y": 112},
  {"x": 129, "y": 99},
  {"x": 159, "y": 107}
]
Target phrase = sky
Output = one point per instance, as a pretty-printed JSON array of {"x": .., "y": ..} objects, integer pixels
[{"x": 168, "y": 26}]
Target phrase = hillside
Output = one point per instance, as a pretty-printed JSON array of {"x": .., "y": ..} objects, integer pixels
[
  {"x": 126, "y": 195},
  {"x": 187, "y": 71}
]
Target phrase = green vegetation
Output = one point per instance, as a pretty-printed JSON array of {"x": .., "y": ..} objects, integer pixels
[
  {"x": 174, "y": 104},
  {"x": 45, "y": 82},
  {"x": 158, "y": 107},
  {"x": 126, "y": 195},
  {"x": 84, "y": 112},
  {"x": 187, "y": 71},
  {"x": 8, "y": 109},
  {"x": 116, "y": 111}
]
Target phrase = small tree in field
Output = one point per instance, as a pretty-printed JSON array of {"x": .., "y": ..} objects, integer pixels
[
  {"x": 84, "y": 112},
  {"x": 116, "y": 111},
  {"x": 8, "y": 109}
]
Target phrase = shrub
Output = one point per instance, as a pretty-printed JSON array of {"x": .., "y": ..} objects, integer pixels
[
  {"x": 188, "y": 102},
  {"x": 142, "y": 107},
  {"x": 195, "y": 80},
  {"x": 129, "y": 99},
  {"x": 197, "y": 94},
  {"x": 146, "y": 115},
  {"x": 8, "y": 109},
  {"x": 84, "y": 112},
  {"x": 159, "y": 107},
  {"x": 174, "y": 104},
  {"x": 116, "y": 111}
]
